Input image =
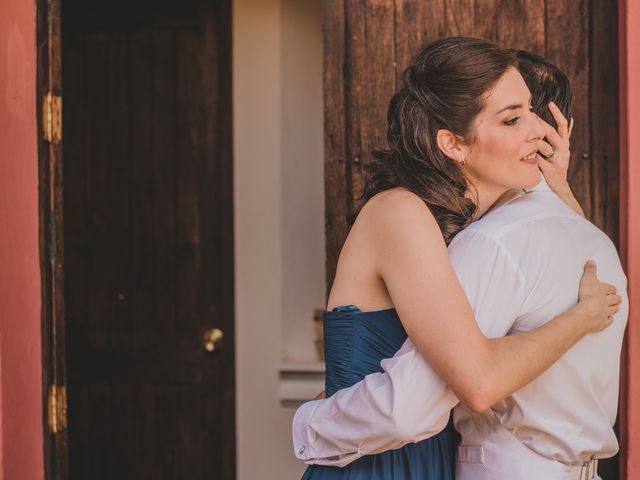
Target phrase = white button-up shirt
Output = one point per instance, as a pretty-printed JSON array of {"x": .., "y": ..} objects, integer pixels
[{"x": 520, "y": 266}]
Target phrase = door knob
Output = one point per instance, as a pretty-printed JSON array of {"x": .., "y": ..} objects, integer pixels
[{"x": 212, "y": 339}]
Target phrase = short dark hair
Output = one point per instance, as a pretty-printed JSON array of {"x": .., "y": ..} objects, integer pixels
[
  {"x": 445, "y": 87},
  {"x": 547, "y": 83}
]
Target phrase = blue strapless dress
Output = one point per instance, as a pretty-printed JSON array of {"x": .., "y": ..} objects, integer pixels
[{"x": 355, "y": 343}]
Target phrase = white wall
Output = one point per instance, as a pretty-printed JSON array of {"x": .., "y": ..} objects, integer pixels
[
  {"x": 278, "y": 217},
  {"x": 303, "y": 282}
]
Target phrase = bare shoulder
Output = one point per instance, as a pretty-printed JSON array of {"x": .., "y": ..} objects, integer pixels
[{"x": 398, "y": 210}]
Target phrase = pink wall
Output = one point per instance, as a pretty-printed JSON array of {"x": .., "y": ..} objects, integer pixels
[
  {"x": 21, "y": 447},
  {"x": 630, "y": 225}
]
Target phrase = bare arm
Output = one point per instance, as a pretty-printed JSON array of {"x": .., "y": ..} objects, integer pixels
[{"x": 412, "y": 260}]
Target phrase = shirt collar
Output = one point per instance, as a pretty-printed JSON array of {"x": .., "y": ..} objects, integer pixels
[
  {"x": 540, "y": 187},
  {"x": 543, "y": 186}
]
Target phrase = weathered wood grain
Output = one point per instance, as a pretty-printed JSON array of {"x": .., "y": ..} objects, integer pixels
[
  {"x": 335, "y": 164},
  {"x": 471, "y": 18},
  {"x": 568, "y": 30},
  {"x": 604, "y": 118},
  {"x": 370, "y": 71},
  {"x": 417, "y": 24},
  {"x": 521, "y": 24}
]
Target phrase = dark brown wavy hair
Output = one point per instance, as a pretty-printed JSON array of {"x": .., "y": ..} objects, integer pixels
[
  {"x": 547, "y": 83},
  {"x": 444, "y": 88}
]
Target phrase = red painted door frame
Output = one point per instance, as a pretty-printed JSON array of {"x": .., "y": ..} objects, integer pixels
[
  {"x": 629, "y": 19},
  {"x": 21, "y": 412}
]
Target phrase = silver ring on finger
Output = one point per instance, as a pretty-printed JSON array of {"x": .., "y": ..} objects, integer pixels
[{"x": 547, "y": 157}]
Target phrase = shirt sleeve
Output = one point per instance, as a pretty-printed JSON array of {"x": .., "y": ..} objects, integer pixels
[
  {"x": 405, "y": 403},
  {"x": 491, "y": 277},
  {"x": 408, "y": 401}
]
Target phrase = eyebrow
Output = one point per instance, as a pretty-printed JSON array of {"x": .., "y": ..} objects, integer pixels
[{"x": 513, "y": 107}]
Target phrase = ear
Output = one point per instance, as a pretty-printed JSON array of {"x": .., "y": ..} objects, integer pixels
[{"x": 450, "y": 146}]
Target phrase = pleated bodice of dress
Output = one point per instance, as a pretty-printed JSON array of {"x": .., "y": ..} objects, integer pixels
[{"x": 355, "y": 342}]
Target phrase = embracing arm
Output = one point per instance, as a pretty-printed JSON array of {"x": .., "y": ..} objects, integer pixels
[
  {"x": 409, "y": 401},
  {"x": 405, "y": 403},
  {"x": 412, "y": 259}
]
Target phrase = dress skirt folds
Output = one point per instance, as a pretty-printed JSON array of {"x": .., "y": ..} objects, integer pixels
[{"x": 355, "y": 344}]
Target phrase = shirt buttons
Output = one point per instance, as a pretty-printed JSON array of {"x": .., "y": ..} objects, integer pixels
[{"x": 301, "y": 451}]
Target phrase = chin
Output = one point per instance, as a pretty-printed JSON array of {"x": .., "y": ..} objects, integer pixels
[{"x": 533, "y": 179}]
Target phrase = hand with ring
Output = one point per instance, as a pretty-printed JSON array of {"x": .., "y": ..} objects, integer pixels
[{"x": 555, "y": 153}]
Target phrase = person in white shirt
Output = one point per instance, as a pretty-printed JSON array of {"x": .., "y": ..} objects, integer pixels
[{"x": 519, "y": 266}]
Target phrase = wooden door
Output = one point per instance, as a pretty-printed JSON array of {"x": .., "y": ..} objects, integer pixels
[
  {"x": 148, "y": 238},
  {"x": 368, "y": 43}
]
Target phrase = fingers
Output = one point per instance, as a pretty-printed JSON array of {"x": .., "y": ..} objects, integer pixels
[
  {"x": 612, "y": 310},
  {"x": 570, "y": 127},
  {"x": 545, "y": 167},
  {"x": 545, "y": 149},
  {"x": 563, "y": 125},
  {"x": 590, "y": 267},
  {"x": 608, "y": 289},
  {"x": 613, "y": 300},
  {"x": 551, "y": 133}
]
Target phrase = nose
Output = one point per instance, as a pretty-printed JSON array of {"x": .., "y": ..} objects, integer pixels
[{"x": 536, "y": 128}]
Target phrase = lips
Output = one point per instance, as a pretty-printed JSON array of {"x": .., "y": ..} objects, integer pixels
[{"x": 532, "y": 158}]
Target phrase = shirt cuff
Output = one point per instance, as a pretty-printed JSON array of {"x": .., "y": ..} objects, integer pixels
[{"x": 300, "y": 430}]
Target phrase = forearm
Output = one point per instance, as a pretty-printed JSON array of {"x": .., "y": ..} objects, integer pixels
[
  {"x": 516, "y": 360},
  {"x": 567, "y": 196},
  {"x": 406, "y": 403}
]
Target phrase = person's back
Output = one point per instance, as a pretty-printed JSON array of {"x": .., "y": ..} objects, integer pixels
[{"x": 564, "y": 417}]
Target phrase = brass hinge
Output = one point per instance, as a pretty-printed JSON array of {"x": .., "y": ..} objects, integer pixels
[
  {"x": 57, "y": 408},
  {"x": 52, "y": 118}
]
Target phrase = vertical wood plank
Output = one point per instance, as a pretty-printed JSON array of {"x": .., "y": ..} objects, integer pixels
[
  {"x": 568, "y": 47},
  {"x": 163, "y": 149},
  {"x": 370, "y": 83},
  {"x": 96, "y": 148},
  {"x": 417, "y": 24},
  {"x": 216, "y": 431},
  {"x": 521, "y": 25},
  {"x": 604, "y": 117},
  {"x": 335, "y": 165},
  {"x": 473, "y": 18},
  {"x": 118, "y": 288},
  {"x": 139, "y": 297},
  {"x": 75, "y": 195},
  {"x": 188, "y": 234},
  {"x": 605, "y": 145}
]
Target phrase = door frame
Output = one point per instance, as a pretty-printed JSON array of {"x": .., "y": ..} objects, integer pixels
[
  {"x": 629, "y": 14},
  {"x": 49, "y": 121}
]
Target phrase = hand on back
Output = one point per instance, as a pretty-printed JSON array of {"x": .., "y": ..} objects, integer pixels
[{"x": 597, "y": 301}]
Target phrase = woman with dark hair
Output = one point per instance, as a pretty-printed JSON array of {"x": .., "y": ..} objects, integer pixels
[{"x": 461, "y": 136}]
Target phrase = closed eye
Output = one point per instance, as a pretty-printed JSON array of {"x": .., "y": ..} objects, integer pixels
[{"x": 512, "y": 121}]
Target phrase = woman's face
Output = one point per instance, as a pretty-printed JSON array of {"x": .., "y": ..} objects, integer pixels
[{"x": 503, "y": 154}]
